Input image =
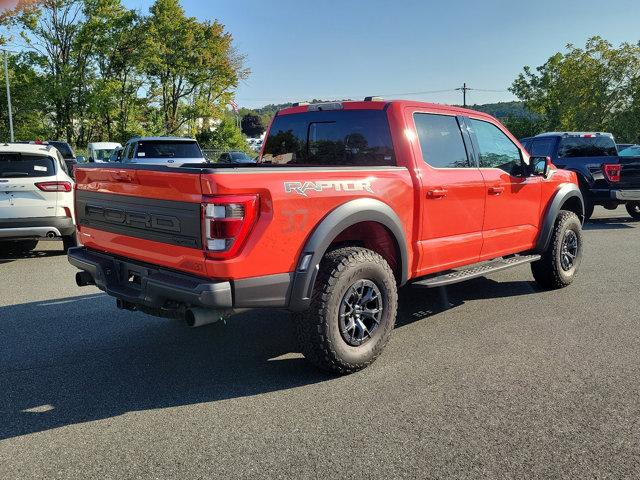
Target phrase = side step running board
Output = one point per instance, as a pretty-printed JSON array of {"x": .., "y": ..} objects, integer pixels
[{"x": 475, "y": 271}]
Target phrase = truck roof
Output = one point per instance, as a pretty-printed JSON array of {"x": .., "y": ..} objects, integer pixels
[
  {"x": 159, "y": 139},
  {"x": 378, "y": 104},
  {"x": 105, "y": 145},
  {"x": 572, "y": 134}
]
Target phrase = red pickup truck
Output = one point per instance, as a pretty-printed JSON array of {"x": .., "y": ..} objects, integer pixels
[{"x": 347, "y": 202}]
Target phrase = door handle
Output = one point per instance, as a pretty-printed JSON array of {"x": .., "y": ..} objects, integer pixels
[
  {"x": 437, "y": 193},
  {"x": 496, "y": 190}
]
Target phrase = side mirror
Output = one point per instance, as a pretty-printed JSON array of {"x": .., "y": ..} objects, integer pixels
[
  {"x": 541, "y": 166},
  {"x": 81, "y": 159}
]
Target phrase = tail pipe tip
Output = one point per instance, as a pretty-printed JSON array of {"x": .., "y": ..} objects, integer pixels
[
  {"x": 84, "y": 278},
  {"x": 197, "y": 317}
]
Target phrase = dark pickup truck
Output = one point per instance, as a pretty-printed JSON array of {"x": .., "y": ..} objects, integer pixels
[{"x": 605, "y": 178}]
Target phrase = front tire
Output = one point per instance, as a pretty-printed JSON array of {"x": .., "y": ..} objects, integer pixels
[
  {"x": 634, "y": 209},
  {"x": 353, "y": 310},
  {"x": 559, "y": 264}
]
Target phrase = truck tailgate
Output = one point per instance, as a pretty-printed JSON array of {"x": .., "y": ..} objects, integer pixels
[
  {"x": 148, "y": 215},
  {"x": 630, "y": 172}
]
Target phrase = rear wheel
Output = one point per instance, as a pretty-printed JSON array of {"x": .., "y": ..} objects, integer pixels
[
  {"x": 352, "y": 313},
  {"x": 560, "y": 263},
  {"x": 634, "y": 209},
  {"x": 19, "y": 247}
]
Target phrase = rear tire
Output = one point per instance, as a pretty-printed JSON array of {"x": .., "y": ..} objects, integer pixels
[
  {"x": 353, "y": 310},
  {"x": 634, "y": 209},
  {"x": 560, "y": 263},
  {"x": 69, "y": 241},
  {"x": 22, "y": 247}
]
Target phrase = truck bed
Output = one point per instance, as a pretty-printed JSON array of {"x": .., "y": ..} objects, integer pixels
[{"x": 153, "y": 213}]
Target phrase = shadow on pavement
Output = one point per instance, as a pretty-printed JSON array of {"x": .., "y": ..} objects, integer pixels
[
  {"x": 79, "y": 359},
  {"x": 12, "y": 256},
  {"x": 611, "y": 223}
]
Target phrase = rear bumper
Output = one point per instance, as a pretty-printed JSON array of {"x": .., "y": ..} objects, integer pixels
[
  {"x": 626, "y": 195},
  {"x": 36, "y": 227},
  {"x": 156, "y": 287}
]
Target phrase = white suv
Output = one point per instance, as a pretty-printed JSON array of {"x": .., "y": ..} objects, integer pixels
[{"x": 36, "y": 197}]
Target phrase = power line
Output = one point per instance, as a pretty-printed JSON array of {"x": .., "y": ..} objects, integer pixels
[{"x": 464, "y": 90}]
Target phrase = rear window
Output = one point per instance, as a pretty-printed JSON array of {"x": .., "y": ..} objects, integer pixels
[
  {"x": 335, "y": 138},
  {"x": 63, "y": 148},
  {"x": 168, "y": 149},
  {"x": 542, "y": 147},
  {"x": 16, "y": 165},
  {"x": 103, "y": 155},
  {"x": 599, "y": 146}
]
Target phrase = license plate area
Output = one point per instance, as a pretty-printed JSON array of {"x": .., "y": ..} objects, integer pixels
[{"x": 133, "y": 277}]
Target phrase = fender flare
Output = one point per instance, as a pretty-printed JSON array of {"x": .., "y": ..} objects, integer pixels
[
  {"x": 342, "y": 217},
  {"x": 564, "y": 193}
]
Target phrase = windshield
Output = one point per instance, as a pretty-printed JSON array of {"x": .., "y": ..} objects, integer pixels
[
  {"x": 16, "y": 165},
  {"x": 240, "y": 157},
  {"x": 168, "y": 149},
  {"x": 103, "y": 154},
  {"x": 630, "y": 151},
  {"x": 596, "y": 146},
  {"x": 63, "y": 148},
  {"x": 334, "y": 137}
]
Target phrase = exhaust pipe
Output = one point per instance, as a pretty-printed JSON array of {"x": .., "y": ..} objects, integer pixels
[
  {"x": 197, "y": 317},
  {"x": 51, "y": 234},
  {"x": 84, "y": 278}
]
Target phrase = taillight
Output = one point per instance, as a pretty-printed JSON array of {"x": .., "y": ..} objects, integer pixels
[
  {"x": 612, "y": 172},
  {"x": 227, "y": 223},
  {"x": 54, "y": 186}
]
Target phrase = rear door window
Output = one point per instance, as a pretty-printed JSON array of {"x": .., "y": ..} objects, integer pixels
[
  {"x": 334, "y": 138},
  {"x": 167, "y": 149},
  {"x": 16, "y": 165},
  {"x": 441, "y": 141},
  {"x": 594, "y": 146}
]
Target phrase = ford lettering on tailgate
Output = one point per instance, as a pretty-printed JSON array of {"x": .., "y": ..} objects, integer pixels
[
  {"x": 135, "y": 219},
  {"x": 166, "y": 221}
]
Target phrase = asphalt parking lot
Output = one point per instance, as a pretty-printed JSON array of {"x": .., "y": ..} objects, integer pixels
[{"x": 512, "y": 382}]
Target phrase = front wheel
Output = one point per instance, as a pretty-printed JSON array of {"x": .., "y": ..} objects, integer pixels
[
  {"x": 559, "y": 264},
  {"x": 634, "y": 209},
  {"x": 352, "y": 312}
]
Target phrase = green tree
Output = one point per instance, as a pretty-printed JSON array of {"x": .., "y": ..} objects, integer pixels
[
  {"x": 115, "y": 35},
  {"x": 591, "y": 88},
  {"x": 51, "y": 31},
  {"x": 225, "y": 136},
  {"x": 28, "y": 88},
  {"x": 191, "y": 65},
  {"x": 252, "y": 125}
]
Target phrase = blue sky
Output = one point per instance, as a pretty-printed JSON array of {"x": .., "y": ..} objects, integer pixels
[{"x": 300, "y": 50}]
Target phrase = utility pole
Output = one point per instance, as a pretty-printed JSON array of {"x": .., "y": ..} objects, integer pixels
[
  {"x": 6, "y": 77},
  {"x": 464, "y": 89}
]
